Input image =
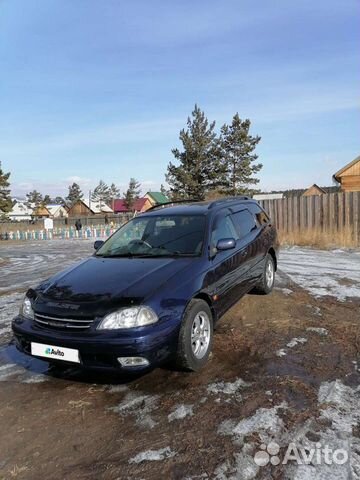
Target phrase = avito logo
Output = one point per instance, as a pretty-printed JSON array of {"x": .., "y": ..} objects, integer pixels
[{"x": 52, "y": 351}]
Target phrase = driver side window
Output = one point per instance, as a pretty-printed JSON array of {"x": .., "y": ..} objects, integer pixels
[{"x": 222, "y": 228}]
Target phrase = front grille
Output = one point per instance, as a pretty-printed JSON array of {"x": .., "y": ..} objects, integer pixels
[{"x": 62, "y": 323}]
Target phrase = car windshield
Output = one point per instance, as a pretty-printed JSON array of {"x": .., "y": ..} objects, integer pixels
[{"x": 155, "y": 236}]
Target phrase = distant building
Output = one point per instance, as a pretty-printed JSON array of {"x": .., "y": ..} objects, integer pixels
[
  {"x": 20, "y": 211},
  {"x": 313, "y": 190},
  {"x": 41, "y": 212},
  {"x": 268, "y": 196},
  {"x": 156, "y": 198},
  {"x": 57, "y": 211},
  {"x": 140, "y": 205},
  {"x": 349, "y": 176},
  {"x": 84, "y": 208}
]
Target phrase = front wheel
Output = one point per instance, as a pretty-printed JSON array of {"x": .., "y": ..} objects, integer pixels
[
  {"x": 195, "y": 337},
  {"x": 267, "y": 281}
]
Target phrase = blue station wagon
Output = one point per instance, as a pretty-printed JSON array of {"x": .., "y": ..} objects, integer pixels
[{"x": 153, "y": 292}]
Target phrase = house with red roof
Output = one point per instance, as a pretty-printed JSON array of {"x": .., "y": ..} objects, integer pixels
[{"x": 140, "y": 205}]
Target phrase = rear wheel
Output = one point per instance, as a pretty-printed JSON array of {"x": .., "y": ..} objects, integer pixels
[
  {"x": 195, "y": 337},
  {"x": 267, "y": 281}
]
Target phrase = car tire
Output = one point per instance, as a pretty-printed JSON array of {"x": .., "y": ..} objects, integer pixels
[
  {"x": 267, "y": 281},
  {"x": 195, "y": 337}
]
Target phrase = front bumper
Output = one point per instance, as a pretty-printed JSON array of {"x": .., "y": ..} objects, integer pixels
[{"x": 100, "y": 349}]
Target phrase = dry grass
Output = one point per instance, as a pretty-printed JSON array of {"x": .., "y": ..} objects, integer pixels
[{"x": 320, "y": 239}]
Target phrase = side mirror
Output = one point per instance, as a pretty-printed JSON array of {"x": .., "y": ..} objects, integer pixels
[
  {"x": 226, "y": 244},
  {"x": 98, "y": 244}
]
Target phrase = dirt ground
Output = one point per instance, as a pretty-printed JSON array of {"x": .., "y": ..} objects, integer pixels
[{"x": 284, "y": 369}]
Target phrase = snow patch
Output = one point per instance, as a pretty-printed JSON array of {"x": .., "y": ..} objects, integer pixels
[
  {"x": 265, "y": 422},
  {"x": 286, "y": 291},
  {"x": 181, "y": 412},
  {"x": 139, "y": 405},
  {"x": 9, "y": 370},
  {"x": 117, "y": 388},
  {"x": 322, "y": 272},
  {"x": 242, "y": 466},
  {"x": 344, "y": 405},
  {"x": 319, "y": 330},
  {"x": 228, "y": 388},
  {"x": 153, "y": 455},
  {"x": 36, "y": 378},
  {"x": 296, "y": 341}
]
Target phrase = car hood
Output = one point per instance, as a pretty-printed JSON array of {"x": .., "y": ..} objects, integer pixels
[{"x": 98, "y": 284}]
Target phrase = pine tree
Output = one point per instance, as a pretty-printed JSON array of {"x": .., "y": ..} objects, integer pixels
[
  {"x": 34, "y": 199},
  {"x": 200, "y": 167},
  {"x": 163, "y": 190},
  {"x": 114, "y": 192},
  {"x": 238, "y": 156},
  {"x": 5, "y": 198},
  {"x": 74, "y": 194},
  {"x": 101, "y": 194},
  {"x": 47, "y": 200},
  {"x": 59, "y": 201},
  {"x": 132, "y": 193}
]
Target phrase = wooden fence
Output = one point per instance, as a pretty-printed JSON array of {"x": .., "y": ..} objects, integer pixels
[{"x": 326, "y": 219}]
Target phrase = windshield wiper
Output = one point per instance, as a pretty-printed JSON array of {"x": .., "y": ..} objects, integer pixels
[{"x": 116, "y": 255}]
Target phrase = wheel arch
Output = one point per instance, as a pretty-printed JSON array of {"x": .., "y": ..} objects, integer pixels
[
  {"x": 273, "y": 254},
  {"x": 208, "y": 300}
]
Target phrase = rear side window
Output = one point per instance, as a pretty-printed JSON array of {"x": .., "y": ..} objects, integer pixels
[
  {"x": 244, "y": 221},
  {"x": 261, "y": 216}
]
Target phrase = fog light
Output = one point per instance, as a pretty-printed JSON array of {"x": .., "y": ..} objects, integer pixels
[{"x": 133, "y": 361}]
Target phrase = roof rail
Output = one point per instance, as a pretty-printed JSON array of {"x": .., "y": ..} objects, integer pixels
[
  {"x": 219, "y": 201},
  {"x": 169, "y": 204}
]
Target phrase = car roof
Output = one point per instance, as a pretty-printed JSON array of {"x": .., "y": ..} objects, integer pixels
[{"x": 190, "y": 207}]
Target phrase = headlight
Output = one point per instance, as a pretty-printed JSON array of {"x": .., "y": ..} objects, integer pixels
[
  {"x": 26, "y": 309},
  {"x": 129, "y": 318}
]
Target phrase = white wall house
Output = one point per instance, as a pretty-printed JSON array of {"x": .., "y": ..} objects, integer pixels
[
  {"x": 98, "y": 207},
  {"x": 20, "y": 211},
  {"x": 57, "y": 211}
]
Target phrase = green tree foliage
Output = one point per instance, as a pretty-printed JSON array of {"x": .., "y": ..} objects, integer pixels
[
  {"x": 214, "y": 165},
  {"x": 59, "y": 201},
  {"x": 132, "y": 193},
  {"x": 47, "y": 200},
  {"x": 5, "y": 198},
  {"x": 101, "y": 193},
  {"x": 74, "y": 194},
  {"x": 114, "y": 192},
  {"x": 34, "y": 199},
  {"x": 200, "y": 165},
  {"x": 239, "y": 158},
  {"x": 163, "y": 190}
]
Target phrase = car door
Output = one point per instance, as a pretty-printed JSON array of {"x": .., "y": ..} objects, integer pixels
[
  {"x": 249, "y": 233},
  {"x": 225, "y": 278}
]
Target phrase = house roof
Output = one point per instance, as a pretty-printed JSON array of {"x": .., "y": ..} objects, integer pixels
[
  {"x": 120, "y": 205},
  {"x": 158, "y": 197},
  {"x": 53, "y": 208},
  {"x": 317, "y": 188},
  {"x": 342, "y": 170},
  {"x": 41, "y": 211},
  {"x": 95, "y": 207},
  {"x": 20, "y": 208}
]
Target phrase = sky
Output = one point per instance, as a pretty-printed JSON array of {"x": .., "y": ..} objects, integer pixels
[{"x": 94, "y": 89}]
